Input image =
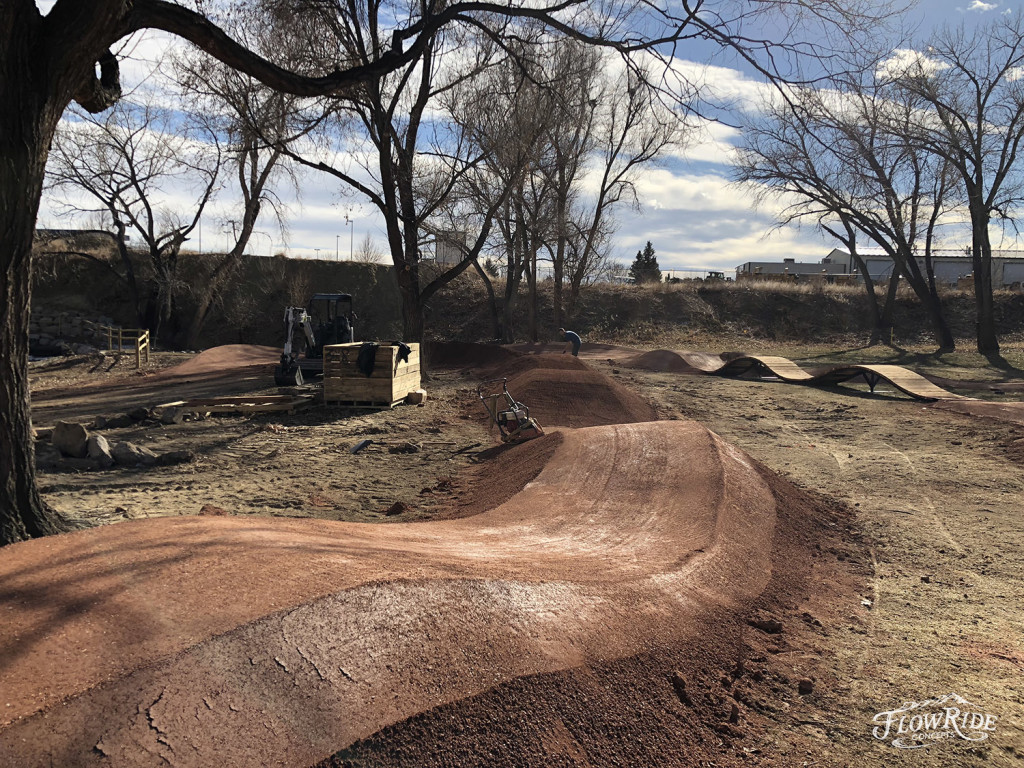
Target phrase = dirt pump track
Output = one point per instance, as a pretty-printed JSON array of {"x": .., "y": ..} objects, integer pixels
[{"x": 245, "y": 641}]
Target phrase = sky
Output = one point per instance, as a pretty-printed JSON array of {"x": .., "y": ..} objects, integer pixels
[{"x": 693, "y": 215}]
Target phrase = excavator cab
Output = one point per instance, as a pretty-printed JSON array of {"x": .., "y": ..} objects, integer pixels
[
  {"x": 328, "y": 319},
  {"x": 330, "y": 315}
]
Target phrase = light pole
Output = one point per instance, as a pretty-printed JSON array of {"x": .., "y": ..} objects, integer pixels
[
  {"x": 317, "y": 252},
  {"x": 337, "y": 248},
  {"x": 351, "y": 230}
]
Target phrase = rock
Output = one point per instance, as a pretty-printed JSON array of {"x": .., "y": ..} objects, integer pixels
[
  {"x": 129, "y": 454},
  {"x": 176, "y": 457},
  {"x": 404, "y": 448},
  {"x": 70, "y": 439},
  {"x": 172, "y": 416},
  {"x": 398, "y": 508},
  {"x": 805, "y": 686},
  {"x": 119, "y": 422},
  {"x": 210, "y": 510},
  {"x": 679, "y": 685},
  {"x": 98, "y": 449},
  {"x": 140, "y": 414},
  {"x": 43, "y": 433},
  {"x": 100, "y": 422},
  {"x": 734, "y": 713},
  {"x": 770, "y": 626}
]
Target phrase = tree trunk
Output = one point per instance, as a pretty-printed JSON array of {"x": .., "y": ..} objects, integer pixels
[
  {"x": 492, "y": 300},
  {"x": 27, "y": 122},
  {"x": 210, "y": 293},
  {"x": 531, "y": 279},
  {"x": 981, "y": 252}
]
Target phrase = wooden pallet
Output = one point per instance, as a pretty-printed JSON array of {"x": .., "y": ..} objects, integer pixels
[{"x": 244, "y": 404}]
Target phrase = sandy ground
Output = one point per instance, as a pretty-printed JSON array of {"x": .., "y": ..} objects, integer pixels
[{"x": 894, "y": 577}]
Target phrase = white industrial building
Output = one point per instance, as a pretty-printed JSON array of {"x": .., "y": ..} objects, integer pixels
[{"x": 950, "y": 266}]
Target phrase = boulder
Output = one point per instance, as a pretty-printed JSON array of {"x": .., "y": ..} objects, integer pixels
[
  {"x": 70, "y": 439},
  {"x": 172, "y": 416},
  {"x": 98, "y": 448},
  {"x": 140, "y": 414},
  {"x": 129, "y": 454}
]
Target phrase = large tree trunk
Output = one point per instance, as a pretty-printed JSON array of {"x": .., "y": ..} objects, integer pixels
[
  {"x": 28, "y": 118},
  {"x": 981, "y": 252}
]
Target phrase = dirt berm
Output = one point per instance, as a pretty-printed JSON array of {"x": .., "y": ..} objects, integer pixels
[{"x": 583, "y": 620}]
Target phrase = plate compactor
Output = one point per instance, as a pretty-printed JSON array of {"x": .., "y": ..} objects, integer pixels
[{"x": 511, "y": 416}]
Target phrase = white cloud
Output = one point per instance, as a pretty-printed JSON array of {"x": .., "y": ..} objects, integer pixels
[
  {"x": 905, "y": 61},
  {"x": 982, "y": 7}
]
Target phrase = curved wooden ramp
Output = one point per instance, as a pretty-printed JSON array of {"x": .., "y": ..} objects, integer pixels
[{"x": 784, "y": 369}]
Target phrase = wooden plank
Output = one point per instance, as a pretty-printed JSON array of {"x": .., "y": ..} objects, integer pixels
[
  {"x": 251, "y": 404},
  {"x": 332, "y": 371},
  {"x": 378, "y": 390}
]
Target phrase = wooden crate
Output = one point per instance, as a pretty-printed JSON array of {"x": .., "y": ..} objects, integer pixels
[{"x": 388, "y": 383}]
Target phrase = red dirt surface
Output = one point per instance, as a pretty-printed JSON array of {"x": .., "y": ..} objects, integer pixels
[
  {"x": 224, "y": 358},
  {"x": 564, "y": 391},
  {"x": 204, "y": 640}
]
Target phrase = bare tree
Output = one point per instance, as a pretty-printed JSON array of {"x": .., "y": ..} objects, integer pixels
[
  {"x": 253, "y": 121},
  {"x": 369, "y": 252},
  {"x": 843, "y": 159},
  {"x": 129, "y": 167},
  {"x": 48, "y": 61},
  {"x": 412, "y": 168},
  {"x": 632, "y": 128},
  {"x": 971, "y": 86}
]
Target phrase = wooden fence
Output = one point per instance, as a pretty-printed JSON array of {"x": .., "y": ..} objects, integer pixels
[{"x": 124, "y": 339}]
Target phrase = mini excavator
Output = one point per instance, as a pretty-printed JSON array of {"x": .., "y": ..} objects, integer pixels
[
  {"x": 327, "y": 320},
  {"x": 511, "y": 416}
]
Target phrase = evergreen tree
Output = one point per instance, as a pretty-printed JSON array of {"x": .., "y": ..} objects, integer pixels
[{"x": 645, "y": 267}]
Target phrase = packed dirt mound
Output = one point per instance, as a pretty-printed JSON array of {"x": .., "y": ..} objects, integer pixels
[
  {"x": 563, "y": 391},
  {"x": 246, "y": 641},
  {"x": 226, "y": 358},
  {"x": 670, "y": 706},
  {"x": 661, "y": 360}
]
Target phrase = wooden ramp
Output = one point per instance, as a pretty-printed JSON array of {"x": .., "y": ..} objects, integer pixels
[{"x": 783, "y": 369}]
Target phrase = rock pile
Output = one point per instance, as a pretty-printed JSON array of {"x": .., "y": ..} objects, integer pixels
[{"x": 71, "y": 446}]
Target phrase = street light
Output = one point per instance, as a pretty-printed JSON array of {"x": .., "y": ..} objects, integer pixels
[
  {"x": 317, "y": 252},
  {"x": 351, "y": 230},
  {"x": 337, "y": 248}
]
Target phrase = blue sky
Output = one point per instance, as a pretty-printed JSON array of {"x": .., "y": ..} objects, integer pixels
[{"x": 693, "y": 215}]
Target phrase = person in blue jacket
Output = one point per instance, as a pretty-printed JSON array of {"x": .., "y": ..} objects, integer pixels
[{"x": 571, "y": 339}]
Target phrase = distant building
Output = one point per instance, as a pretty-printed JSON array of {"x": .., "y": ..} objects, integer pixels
[
  {"x": 951, "y": 267},
  {"x": 450, "y": 248},
  {"x": 829, "y": 266}
]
